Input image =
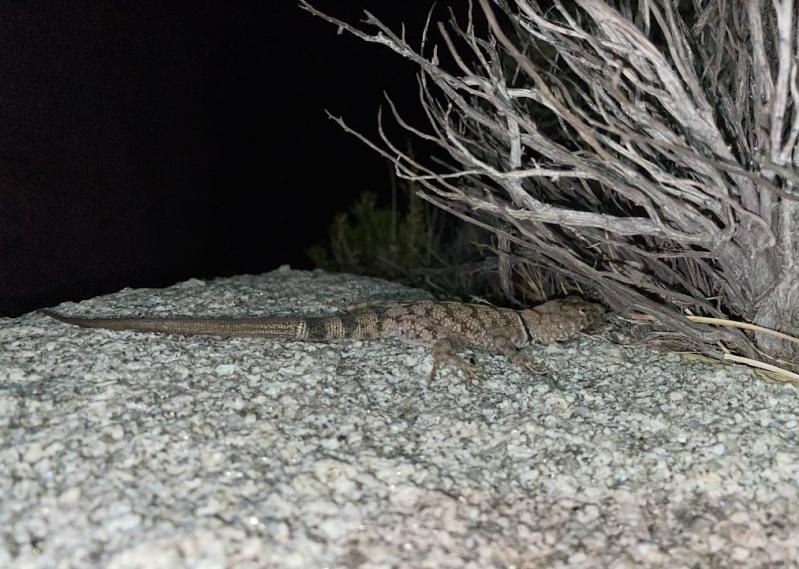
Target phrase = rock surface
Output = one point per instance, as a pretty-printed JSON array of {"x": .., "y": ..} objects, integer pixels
[{"x": 127, "y": 450}]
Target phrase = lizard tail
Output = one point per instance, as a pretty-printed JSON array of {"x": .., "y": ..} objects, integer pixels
[{"x": 323, "y": 328}]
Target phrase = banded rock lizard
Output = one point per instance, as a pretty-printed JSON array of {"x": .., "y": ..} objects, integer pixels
[{"x": 446, "y": 327}]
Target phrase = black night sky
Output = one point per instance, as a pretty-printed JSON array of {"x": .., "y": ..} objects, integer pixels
[{"x": 146, "y": 143}]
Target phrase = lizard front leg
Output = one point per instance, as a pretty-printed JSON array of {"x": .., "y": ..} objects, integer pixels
[
  {"x": 444, "y": 353},
  {"x": 505, "y": 346}
]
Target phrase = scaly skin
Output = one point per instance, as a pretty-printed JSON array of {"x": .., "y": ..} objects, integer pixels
[{"x": 446, "y": 327}]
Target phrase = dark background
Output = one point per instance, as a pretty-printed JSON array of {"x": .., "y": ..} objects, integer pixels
[{"x": 146, "y": 143}]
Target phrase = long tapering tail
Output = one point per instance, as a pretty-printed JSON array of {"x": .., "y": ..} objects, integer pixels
[
  {"x": 274, "y": 327},
  {"x": 325, "y": 328}
]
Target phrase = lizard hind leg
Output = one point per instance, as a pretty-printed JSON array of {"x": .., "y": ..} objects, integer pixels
[{"x": 444, "y": 353}]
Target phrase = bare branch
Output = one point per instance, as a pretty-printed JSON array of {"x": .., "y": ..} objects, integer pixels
[{"x": 649, "y": 154}]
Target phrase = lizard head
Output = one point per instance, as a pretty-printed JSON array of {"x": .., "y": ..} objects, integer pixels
[{"x": 561, "y": 319}]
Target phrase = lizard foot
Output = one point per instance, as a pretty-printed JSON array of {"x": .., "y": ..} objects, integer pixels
[
  {"x": 444, "y": 354},
  {"x": 459, "y": 363},
  {"x": 506, "y": 347},
  {"x": 531, "y": 366}
]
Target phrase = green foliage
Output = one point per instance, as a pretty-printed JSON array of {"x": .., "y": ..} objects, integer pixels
[
  {"x": 413, "y": 243},
  {"x": 377, "y": 241}
]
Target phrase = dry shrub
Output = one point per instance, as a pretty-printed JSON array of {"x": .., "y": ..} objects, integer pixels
[{"x": 643, "y": 149}]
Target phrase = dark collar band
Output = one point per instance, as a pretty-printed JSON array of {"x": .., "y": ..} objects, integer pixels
[{"x": 525, "y": 328}]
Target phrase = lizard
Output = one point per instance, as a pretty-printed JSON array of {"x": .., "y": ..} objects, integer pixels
[{"x": 446, "y": 327}]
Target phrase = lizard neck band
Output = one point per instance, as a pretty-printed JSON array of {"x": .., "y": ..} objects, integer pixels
[{"x": 525, "y": 328}]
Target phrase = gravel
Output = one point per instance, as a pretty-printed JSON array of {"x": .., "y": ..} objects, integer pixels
[{"x": 127, "y": 450}]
